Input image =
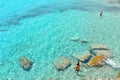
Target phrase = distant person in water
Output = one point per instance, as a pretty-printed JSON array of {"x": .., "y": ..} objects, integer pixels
[
  {"x": 101, "y": 13},
  {"x": 77, "y": 67}
]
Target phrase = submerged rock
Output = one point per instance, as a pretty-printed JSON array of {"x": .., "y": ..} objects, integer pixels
[
  {"x": 98, "y": 47},
  {"x": 62, "y": 63},
  {"x": 105, "y": 53},
  {"x": 101, "y": 50},
  {"x": 25, "y": 63},
  {"x": 84, "y": 41},
  {"x": 75, "y": 39}
]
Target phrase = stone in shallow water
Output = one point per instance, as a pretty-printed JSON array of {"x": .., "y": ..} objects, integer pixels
[
  {"x": 101, "y": 50},
  {"x": 98, "y": 47},
  {"x": 75, "y": 39},
  {"x": 62, "y": 63},
  {"x": 25, "y": 63},
  {"x": 84, "y": 41},
  {"x": 105, "y": 53}
]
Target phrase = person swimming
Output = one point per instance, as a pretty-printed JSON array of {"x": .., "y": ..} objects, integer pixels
[
  {"x": 101, "y": 13},
  {"x": 77, "y": 67}
]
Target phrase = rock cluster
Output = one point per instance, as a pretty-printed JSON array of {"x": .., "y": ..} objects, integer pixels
[
  {"x": 101, "y": 53},
  {"x": 25, "y": 63}
]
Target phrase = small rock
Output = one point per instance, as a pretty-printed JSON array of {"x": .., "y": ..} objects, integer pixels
[
  {"x": 25, "y": 63},
  {"x": 62, "y": 64},
  {"x": 84, "y": 41},
  {"x": 75, "y": 39}
]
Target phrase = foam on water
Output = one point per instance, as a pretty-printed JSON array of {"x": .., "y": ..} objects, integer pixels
[
  {"x": 45, "y": 36},
  {"x": 113, "y": 63}
]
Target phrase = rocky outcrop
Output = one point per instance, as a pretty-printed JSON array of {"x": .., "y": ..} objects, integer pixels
[
  {"x": 25, "y": 63},
  {"x": 62, "y": 63}
]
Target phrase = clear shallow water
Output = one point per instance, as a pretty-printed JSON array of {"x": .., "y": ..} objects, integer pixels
[{"x": 42, "y": 33}]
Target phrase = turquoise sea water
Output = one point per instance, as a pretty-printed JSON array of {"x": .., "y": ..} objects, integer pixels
[{"x": 41, "y": 30}]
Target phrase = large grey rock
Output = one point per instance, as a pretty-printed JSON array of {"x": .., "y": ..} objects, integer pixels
[
  {"x": 98, "y": 47},
  {"x": 25, "y": 63},
  {"x": 62, "y": 63}
]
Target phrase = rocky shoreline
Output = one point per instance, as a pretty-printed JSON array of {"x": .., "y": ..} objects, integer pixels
[{"x": 96, "y": 56}]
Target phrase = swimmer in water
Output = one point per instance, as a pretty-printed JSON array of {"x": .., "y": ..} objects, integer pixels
[
  {"x": 77, "y": 67},
  {"x": 101, "y": 13}
]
